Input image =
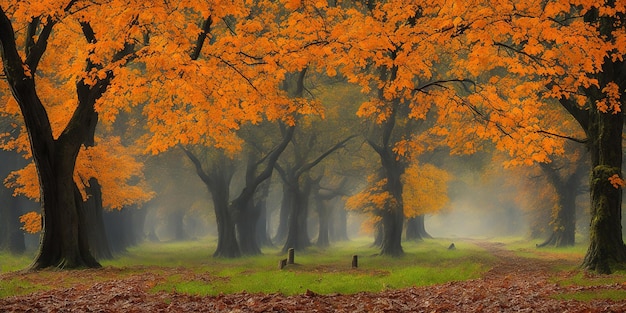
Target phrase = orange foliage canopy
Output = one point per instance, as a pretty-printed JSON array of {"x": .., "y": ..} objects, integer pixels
[
  {"x": 32, "y": 222},
  {"x": 424, "y": 192}
]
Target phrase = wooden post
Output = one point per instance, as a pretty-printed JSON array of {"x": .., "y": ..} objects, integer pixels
[
  {"x": 355, "y": 261},
  {"x": 290, "y": 256},
  {"x": 282, "y": 264}
]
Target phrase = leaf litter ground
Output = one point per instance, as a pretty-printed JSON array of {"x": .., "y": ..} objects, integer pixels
[{"x": 514, "y": 284}]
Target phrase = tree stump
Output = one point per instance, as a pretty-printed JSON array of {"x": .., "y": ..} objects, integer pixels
[
  {"x": 290, "y": 256},
  {"x": 355, "y": 261},
  {"x": 282, "y": 263}
]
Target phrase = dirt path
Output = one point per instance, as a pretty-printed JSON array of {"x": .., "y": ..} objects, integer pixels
[{"x": 514, "y": 284}]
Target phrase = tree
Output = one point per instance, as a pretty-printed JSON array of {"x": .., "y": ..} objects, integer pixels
[
  {"x": 564, "y": 219},
  {"x": 400, "y": 62},
  {"x": 425, "y": 192},
  {"x": 571, "y": 52},
  {"x": 54, "y": 148}
]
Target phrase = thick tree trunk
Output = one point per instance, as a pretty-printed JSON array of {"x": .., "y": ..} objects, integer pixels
[
  {"x": 218, "y": 183},
  {"x": 285, "y": 212},
  {"x": 297, "y": 234},
  {"x": 416, "y": 229},
  {"x": 124, "y": 228},
  {"x": 323, "y": 211},
  {"x": 605, "y": 232},
  {"x": 227, "y": 245},
  {"x": 604, "y": 131},
  {"x": 247, "y": 231},
  {"x": 392, "y": 220},
  {"x": 393, "y": 213},
  {"x": 64, "y": 243},
  {"x": 564, "y": 223}
]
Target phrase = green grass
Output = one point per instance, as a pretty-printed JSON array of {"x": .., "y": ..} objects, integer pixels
[
  {"x": 596, "y": 294},
  {"x": 528, "y": 249},
  {"x": 11, "y": 263},
  {"x": 190, "y": 268},
  {"x": 329, "y": 271}
]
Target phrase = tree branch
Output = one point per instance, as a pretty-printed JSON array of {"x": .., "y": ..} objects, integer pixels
[
  {"x": 198, "y": 165},
  {"x": 206, "y": 29},
  {"x": 319, "y": 159},
  {"x": 578, "y": 140}
]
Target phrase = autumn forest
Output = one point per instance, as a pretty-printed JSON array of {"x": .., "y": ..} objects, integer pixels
[{"x": 297, "y": 123}]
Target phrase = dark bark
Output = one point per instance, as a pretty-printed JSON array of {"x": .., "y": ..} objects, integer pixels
[
  {"x": 297, "y": 233},
  {"x": 393, "y": 213},
  {"x": 218, "y": 183},
  {"x": 298, "y": 188},
  {"x": 246, "y": 211},
  {"x": 323, "y": 198},
  {"x": 247, "y": 231},
  {"x": 416, "y": 229},
  {"x": 604, "y": 131},
  {"x": 564, "y": 219},
  {"x": 605, "y": 232},
  {"x": 64, "y": 243},
  {"x": 323, "y": 211},
  {"x": 392, "y": 221},
  {"x": 124, "y": 228},
  {"x": 98, "y": 239}
]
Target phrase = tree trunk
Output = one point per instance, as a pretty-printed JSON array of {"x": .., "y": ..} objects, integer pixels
[
  {"x": 604, "y": 132},
  {"x": 564, "y": 223},
  {"x": 323, "y": 211},
  {"x": 98, "y": 239},
  {"x": 227, "y": 245},
  {"x": 416, "y": 229},
  {"x": 339, "y": 223},
  {"x": 246, "y": 230},
  {"x": 285, "y": 212},
  {"x": 262, "y": 227},
  {"x": 176, "y": 220},
  {"x": 605, "y": 232},
  {"x": 297, "y": 234},
  {"x": 378, "y": 235},
  {"x": 392, "y": 220},
  {"x": 393, "y": 213}
]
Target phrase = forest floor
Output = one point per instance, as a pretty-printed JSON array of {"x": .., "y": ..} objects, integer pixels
[{"x": 514, "y": 284}]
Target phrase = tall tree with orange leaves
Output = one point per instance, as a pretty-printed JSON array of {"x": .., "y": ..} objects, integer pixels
[
  {"x": 572, "y": 52},
  {"x": 55, "y": 148},
  {"x": 399, "y": 53}
]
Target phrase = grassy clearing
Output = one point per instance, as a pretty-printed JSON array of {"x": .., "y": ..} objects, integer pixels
[
  {"x": 528, "y": 249},
  {"x": 595, "y": 294},
  {"x": 329, "y": 271},
  {"x": 189, "y": 267}
]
